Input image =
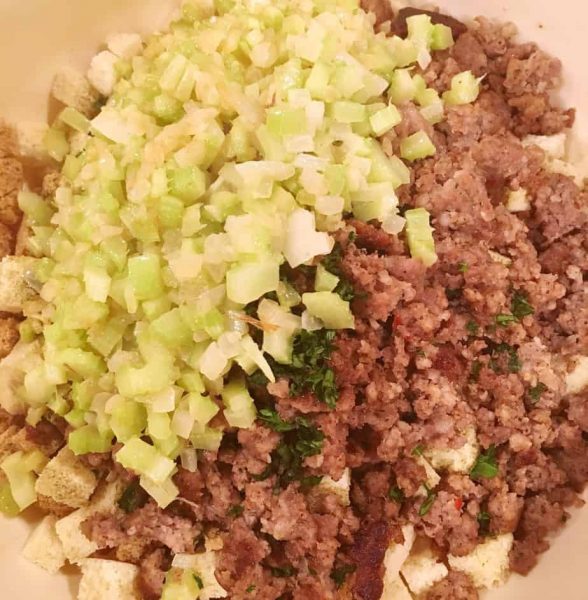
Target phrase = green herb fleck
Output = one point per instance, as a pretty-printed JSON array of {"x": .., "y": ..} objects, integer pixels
[
  {"x": 236, "y": 510},
  {"x": 428, "y": 502},
  {"x": 536, "y": 392},
  {"x": 463, "y": 267},
  {"x": 133, "y": 498},
  {"x": 418, "y": 450},
  {"x": 250, "y": 589},
  {"x": 483, "y": 523},
  {"x": 453, "y": 293},
  {"x": 504, "y": 320},
  {"x": 486, "y": 466},
  {"x": 339, "y": 575},
  {"x": 520, "y": 306},
  {"x": 273, "y": 420},
  {"x": 287, "y": 571},
  {"x": 199, "y": 582},
  {"x": 472, "y": 327},
  {"x": 396, "y": 494},
  {"x": 476, "y": 370},
  {"x": 309, "y": 481},
  {"x": 513, "y": 363}
]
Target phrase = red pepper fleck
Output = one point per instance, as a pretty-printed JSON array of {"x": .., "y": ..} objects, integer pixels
[{"x": 458, "y": 503}]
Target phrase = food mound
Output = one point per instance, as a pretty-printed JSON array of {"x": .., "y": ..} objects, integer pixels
[{"x": 297, "y": 308}]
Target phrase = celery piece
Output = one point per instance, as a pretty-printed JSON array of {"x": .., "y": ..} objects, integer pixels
[
  {"x": 419, "y": 234},
  {"x": 82, "y": 394},
  {"x": 21, "y": 478},
  {"x": 283, "y": 122},
  {"x": 26, "y": 332},
  {"x": 417, "y": 146},
  {"x": 187, "y": 183},
  {"x": 192, "y": 382},
  {"x": 317, "y": 82},
  {"x": 167, "y": 109},
  {"x": 465, "y": 88},
  {"x": 128, "y": 419},
  {"x": 384, "y": 120},
  {"x": 206, "y": 438},
  {"x": 163, "y": 493},
  {"x": 180, "y": 584},
  {"x": 202, "y": 408},
  {"x": 249, "y": 281},
  {"x": 37, "y": 210},
  {"x": 84, "y": 313},
  {"x": 442, "y": 37},
  {"x": 8, "y": 506},
  {"x": 171, "y": 329},
  {"x": 138, "y": 381},
  {"x": 344, "y": 111},
  {"x": 239, "y": 407},
  {"x": 330, "y": 308},
  {"x": 115, "y": 249},
  {"x": 59, "y": 405},
  {"x": 324, "y": 281},
  {"x": 72, "y": 166},
  {"x": 75, "y": 119},
  {"x": 97, "y": 282},
  {"x": 280, "y": 327},
  {"x": 402, "y": 86},
  {"x": 88, "y": 439},
  {"x": 159, "y": 426},
  {"x": 145, "y": 276},
  {"x": 84, "y": 363},
  {"x": 76, "y": 418},
  {"x": 56, "y": 144},
  {"x": 104, "y": 337},
  {"x": 144, "y": 459},
  {"x": 156, "y": 307}
]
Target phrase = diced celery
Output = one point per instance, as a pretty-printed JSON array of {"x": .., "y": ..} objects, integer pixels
[
  {"x": 286, "y": 122},
  {"x": 171, "y": 212},
  {"x": 127, "y": 419},
  {"x": 19, "y": 470},
  {"x": 144, "y": 459},
  {"x": 97, "y": 283},
  {"x": 330, "y": 308},
  {"x": 8, "y": 506},
  {"x": 167, "y": 109},
  {"x": 82, "y": 394},
  {"x": 192, "y": 382},
  {"x": 76, "y": 120},
  {"x": 171, "y": 329},
  {"x": 465, "y": 88},
  {"x": 156, "y": 307},
  {"x": 442, "y": 37},
  {"x": 324, "y": 281},
  {"x": 344, "y": 111},
  {"x": 417, "y": 146},
  {"x": 419, "y": 234},
  {"x": 38, "y": 211},
  {"x": 402, "y": 87},
  {"x": 280, "y": 326},
  {"x": 202, "y": 408},
  {"x": 239, "y": 407},
  {"x": 187, "y": 183},
  {"x": 138, "y": 381},
  {"x": 104, "y": 337},
  {"x": 249, "y": 281},
  {"x": 159, "y": 425},
  {"x": 76, "y": 418},
  {"x": 56, "y": 144},
  {"x": 180, "y": 584},
  {"x": 163, "y": 493},
  {"x": 145, "y": 276},
  {"x": 206, "y": 438},
  {"x": 318, "y": 81},
  {"x": 84, "y": 363},
  {"x": 384, "y": 120}
]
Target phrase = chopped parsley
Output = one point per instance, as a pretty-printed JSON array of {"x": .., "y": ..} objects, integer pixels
[
  {"x": 236, "y": 510},
  {"x": 286, "y": 571},
  {"x": 428, "y": 502},
  {"x": 300, "y": 440},
  {"x": 486, "y": 466},
  {"x": 309, "y": 371},
  {"x": 332, "y": 263},
  {"x": 453, "y": 293},
  {"x": 133, "y": 498},
  {"x": 475, "y": 372},
  {"x": 513, "y": 362},
  {"x": 472, "y": 327},
  {"x": 418, "y": 450},
  {"x": 396, "y": 494},
  {"x": 520, "y": 306},
  {"x": 199, "y": 582},
  {"x": 483, "y": 523},
  {"x": 504, "y": 320},
  {"x": 250, "y": 589},
  {"x": 339, "y": 575},
  {"x": 463, "y": 267},
  {"x": 536, "y": 392}
]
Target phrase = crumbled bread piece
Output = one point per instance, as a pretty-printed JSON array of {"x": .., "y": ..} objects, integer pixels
[
  {"x": 11, "y": 180},
  {"x": 488, "y": 564},
  {"x": 7, "y": 446},
  {"x": 67, "y": 480},
  {"x": 125, "y": 45},
  {"x": 339, "y": 488},
  {"x": 395, "y": 590},
  {"x": 577, "y": 380},
  {"x": 204, "y": 565},
  {"x": 422, "y": 571},
  {"x": 102, "y": 579},
  {"x": 131, "y": 550},
  {"x": 12, "y": 372},
  {"x": 72, "y": 89},
  {"x": 102, "y": 72},
  {"x": 31, "y": 139},
  {"x": 458, "y": 460},
  {"x": 14, "y": 289},
  {"x": 8, "y": 141},
  {"x": 397, "y": 554},
  {"x": 22, "y": 236},
  {"x": 9, "y": 335},
  {"x": 7, "y": 240},
  {"x": 51, "y": 182},
  {"x": 43, "y": 547},
  {"x": 49, "y": 505}
]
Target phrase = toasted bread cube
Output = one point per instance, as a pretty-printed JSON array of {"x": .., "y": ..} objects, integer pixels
[
  {"x": 31, "y": 139},
  {"x": 395, "y": 590},
  {"x": 458, "y": 460},
  {"x": 76, "y": 545},
  {"x": 108, "y": 579},
  {"x": 14, "y": 289},
  {"x": 67, "y": 480},
  {"x": 397, "y": 554},
  {"x": 102, "y": 72},
  {"x": 204, "y": 565},
  {"x": 44, "y": 548},
  {"x": 339, "y": 488},
  {"x": 125, "y": 45},
  {"x": 71, "y": 88},
  {"x": 488, "y": 564},
  {"x": 577, "y": 380},
  {"x": 423, "y": 570}
]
